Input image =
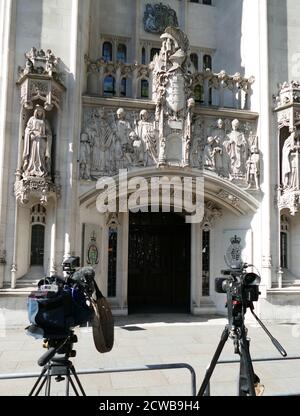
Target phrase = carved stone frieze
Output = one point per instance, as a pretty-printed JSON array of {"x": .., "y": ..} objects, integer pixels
[
  {"x": 229, "y": 198},
  {"x": 115, "y": 139},
  {"x": 231, "y": 151}
]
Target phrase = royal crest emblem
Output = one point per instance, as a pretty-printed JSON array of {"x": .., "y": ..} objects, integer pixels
[
  {"x": 234, "y": 253},
  {"x": 157, "y": 17}
]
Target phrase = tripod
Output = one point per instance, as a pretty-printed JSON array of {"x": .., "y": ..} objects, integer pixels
[
  {"x": 237, "y": 331},
  {"x": 56, "y": 364}
]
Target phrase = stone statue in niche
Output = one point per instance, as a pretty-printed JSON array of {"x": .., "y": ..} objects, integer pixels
[
  {"x": 37, "y": 145},
  {"x": 290, "y": 161},
  {"x": 237, "y": 149},
  {"x": 253, "y": 168},
  {"x": 85, "y": 157}
]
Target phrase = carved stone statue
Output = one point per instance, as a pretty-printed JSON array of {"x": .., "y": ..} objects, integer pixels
[
  {"x": 253, "y": 168},
  {"x": 172, "y": 92},
  {"x": 85, "y": 157},
  {"x": 288, "y": 147},
  {"x": 123, "y": 147},
  {"x": 101, "y": 139},
  {"x": 237, "y": 148},
  {"x": 37, "y": 145},
  {"x": 213, "y": 155},
  {"x": 145, "y": 131}
]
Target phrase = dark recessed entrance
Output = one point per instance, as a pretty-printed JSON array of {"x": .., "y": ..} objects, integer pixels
[
  {"x": 158, "y": 263},
  {"x": 37, "y": 245}
]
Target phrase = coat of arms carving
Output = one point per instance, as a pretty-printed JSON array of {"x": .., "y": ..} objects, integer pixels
[{"x": 159, "y": 16}]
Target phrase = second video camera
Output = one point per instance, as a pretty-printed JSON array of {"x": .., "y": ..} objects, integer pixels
[{"x": 243, "y": 286}]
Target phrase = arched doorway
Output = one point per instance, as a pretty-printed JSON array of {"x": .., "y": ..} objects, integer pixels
[{"x": 158, "y": 263}]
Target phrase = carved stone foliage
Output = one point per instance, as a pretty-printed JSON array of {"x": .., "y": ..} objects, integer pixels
[
  {"x": 231, "y": 151},
  {"x": 290, "y": 201},
  {"x": 158, "y": 17},
  {"x": 37, "y": 188},
  {"x": 211, "y": 214},
  {"x": 40, "y": 80}
]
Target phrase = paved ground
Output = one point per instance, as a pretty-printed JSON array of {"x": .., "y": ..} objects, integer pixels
[{"x": 155, "y": 339}]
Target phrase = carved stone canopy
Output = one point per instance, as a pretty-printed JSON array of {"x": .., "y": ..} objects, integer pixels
[{"x": 40, "y": 80}]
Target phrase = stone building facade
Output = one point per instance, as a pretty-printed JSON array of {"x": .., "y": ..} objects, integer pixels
[{"x": 174, "y": 89}]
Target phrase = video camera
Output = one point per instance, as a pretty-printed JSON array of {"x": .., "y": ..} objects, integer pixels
[
  {"x": 243, "y": 286},
  {"x": 61, "y": 303},
  {"x": 242, "y": 290}
]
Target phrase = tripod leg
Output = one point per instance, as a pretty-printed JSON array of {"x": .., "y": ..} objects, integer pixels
[
  {"x": 209, "y": 371},
  {"x": 48, "y": 384},
  {"x": 37, "y": 382},
  {"x": 73, "y": 385},
  {"x": 68, "y": 383},
  {"x": 246, "y": 378},
  {"x": 72, "y": 369}
]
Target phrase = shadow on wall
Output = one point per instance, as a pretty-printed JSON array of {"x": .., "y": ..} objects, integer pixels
[{"x": 278, "y": 43}]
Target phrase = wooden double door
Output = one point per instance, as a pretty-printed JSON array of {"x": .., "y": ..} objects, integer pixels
[{"x": 159, "y": 263}]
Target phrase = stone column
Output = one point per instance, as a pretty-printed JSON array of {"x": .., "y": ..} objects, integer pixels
[
  {"x": 68, "y": 205},
  {"x": 122, "y": 262},
  {"x": 196, "y": 267},
  {"x": 7, "y": 41},
  {"x": 268, "y": 219}
]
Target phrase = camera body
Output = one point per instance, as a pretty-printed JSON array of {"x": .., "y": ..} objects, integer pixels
[
  {"x": 61, "y": 303},
  {"x": 70, "y": 264},
  {"x": 243, "y": 286}
]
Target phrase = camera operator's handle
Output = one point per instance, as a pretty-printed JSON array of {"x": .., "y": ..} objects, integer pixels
[
  {"x": 47, "y": 356},
  {"x": 276, "y": 343},
  {"x": 50, "y": 353}
]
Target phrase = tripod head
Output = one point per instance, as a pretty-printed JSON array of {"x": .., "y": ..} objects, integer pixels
[{"x": 58, "y": 346}]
